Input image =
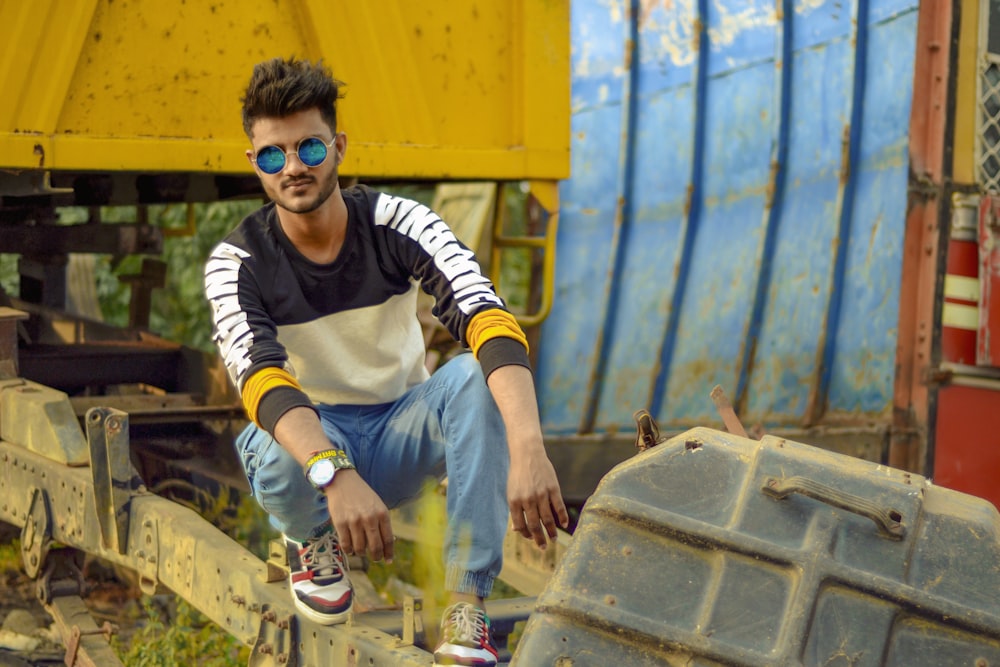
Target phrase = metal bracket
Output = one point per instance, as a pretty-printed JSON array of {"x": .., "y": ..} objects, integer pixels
[
  {"x": 147, "y": 557},
  {"x": 277, "y": 561},
  {"x": 647, "y": 432},
  {"x": 413, "y": 622},
  {"x": 36, "y": 535},
  {"x": 726, "y": 411},
  {"x": 114, "y": 476},
  {"x": 277, "y": 640},
  {"x": 62, "y": 576},
  {"x": 73, "y": 645}
]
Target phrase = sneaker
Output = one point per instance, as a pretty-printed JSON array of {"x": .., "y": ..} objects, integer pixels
[
  {"x": 320, "y": 586},
  {"x": 466, "y": 638}
]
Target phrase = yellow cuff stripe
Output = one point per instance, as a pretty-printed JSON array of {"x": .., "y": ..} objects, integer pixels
[
  {"x": 261, "y": 382},
  {"x": 494, "y": 323}
]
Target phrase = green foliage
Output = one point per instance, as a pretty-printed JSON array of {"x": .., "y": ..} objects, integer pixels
[
  {"x": 179, "y": 636},
  {"x": 514, "y": 284},
  {"x": 10, "y": 555},
  {"x": 8, "y": 273},
  {"x": 179, "y": 311}
]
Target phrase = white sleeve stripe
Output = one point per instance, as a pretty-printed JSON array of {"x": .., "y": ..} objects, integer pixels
[
  {"x": 232, "y": 333},
  {"x": 420, "y": 224}
]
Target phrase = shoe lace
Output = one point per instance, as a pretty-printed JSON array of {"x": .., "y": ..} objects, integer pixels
[
  {"x": 323, "y": 555},
  {"x": 466, "y": 624}
]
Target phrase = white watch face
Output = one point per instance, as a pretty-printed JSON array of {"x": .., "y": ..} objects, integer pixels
[{"x": 321, "y": 473}]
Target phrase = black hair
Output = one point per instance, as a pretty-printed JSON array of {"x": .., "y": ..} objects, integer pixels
[{"x": 281, "y": 87}]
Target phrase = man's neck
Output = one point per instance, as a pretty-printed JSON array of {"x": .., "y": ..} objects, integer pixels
[{"x": 319, "y": 234}]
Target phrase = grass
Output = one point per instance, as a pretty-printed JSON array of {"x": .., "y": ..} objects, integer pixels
[
  {"x": 179, "y": 635},
  {"x": 10, "y": 556}
]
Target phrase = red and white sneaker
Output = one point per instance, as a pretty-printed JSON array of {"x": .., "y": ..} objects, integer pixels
[
  {"x": 320, "y": 586},
  {"x": 466, "y": 638}
]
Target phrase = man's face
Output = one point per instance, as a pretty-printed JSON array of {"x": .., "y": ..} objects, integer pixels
[{"x": 296, "y": 187}]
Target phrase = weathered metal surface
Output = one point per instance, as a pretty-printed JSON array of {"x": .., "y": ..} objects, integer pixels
[
  {"x": 115, "y": 479},
  {"x": 434, "y": 90},
  {"x": 87, "y": 645},
  {"x": 711, "y": 549},
  {"x": 922, "y": 261},
  {"x": 41, "y": 419},
  {"x": 988, "y": 316},
  {"x": 735, "y": 214},
  {"x": 581, "y": 461},
  {"x": 172, "y": 547},
  {"x": 966, "y": 457}
]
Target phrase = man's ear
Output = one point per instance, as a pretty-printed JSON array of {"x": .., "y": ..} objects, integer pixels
[
  {"x": 340, "y": 145},
  {"x": 250, "y": 160}
]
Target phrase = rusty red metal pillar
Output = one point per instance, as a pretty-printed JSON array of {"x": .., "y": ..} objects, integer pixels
[{"x": 928, "y": 207}]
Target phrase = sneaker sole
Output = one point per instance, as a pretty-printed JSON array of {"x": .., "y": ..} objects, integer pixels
[{"x": 322, "y": 619}]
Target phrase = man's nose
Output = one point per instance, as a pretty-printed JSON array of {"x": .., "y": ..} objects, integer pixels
[{"x": 293, "y": 164}]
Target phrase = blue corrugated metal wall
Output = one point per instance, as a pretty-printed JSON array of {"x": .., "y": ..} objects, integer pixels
[{"x": 735, "y": 213}]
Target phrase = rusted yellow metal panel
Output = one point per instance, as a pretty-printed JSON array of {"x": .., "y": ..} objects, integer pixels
[{"x": 435, "y": 90}]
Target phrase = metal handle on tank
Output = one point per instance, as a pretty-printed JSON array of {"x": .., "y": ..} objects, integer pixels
[{"x": 888, "y": 520}]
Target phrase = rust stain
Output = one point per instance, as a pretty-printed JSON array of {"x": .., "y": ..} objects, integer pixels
[
  {"x": 845, "y": 154},
  {"x": 647, "y": 6}
]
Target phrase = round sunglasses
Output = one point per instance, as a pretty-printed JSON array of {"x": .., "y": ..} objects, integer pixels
[{"x": 312, "y": 152}]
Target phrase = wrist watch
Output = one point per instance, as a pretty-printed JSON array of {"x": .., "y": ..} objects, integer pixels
[{"x": 322, "y": 466}]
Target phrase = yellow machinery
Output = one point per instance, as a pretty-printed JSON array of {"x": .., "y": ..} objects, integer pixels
[
  {"x": 136, "y": 102},
  {"x": 435, "y": 90}
]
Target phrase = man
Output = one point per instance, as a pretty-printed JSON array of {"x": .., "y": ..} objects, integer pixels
[{"x": 314, "y": 305}]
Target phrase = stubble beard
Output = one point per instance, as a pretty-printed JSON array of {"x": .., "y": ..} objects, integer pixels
[{"x": 292, "y": 205}]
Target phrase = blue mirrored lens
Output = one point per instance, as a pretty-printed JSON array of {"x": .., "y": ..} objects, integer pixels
[
  {"x": 312, "y": 152},
  {"x": 270, "y": 159}
]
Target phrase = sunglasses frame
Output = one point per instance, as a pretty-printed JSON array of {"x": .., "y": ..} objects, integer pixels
[{"x": 298, "y": 148}]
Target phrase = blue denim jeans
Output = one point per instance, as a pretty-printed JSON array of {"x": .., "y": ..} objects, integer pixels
[{"x": 447, "y": 425}]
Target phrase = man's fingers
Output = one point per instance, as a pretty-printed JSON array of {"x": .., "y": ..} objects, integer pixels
[
  {"x": 548, "y": 521},
  {"x": 535, "y": 526},
  {"x": 561, "y": 512},
  {"x": 344, "y": 537},
  {"x": 536, "y": 520},
  {"x": 388, "y": 541},
  {"x": 517, "y": 519},
  {"x": 359, "y": 541},
  {"x": 375, "y": 547},
  {"x": 379, "y": 537}
]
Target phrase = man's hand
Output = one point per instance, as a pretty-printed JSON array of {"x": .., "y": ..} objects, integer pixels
[
  {"x": 536, "y": 503},
  {"x": 359, "y": 516}
]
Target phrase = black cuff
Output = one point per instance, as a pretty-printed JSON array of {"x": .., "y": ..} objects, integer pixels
[
  {"x": 497, "y": 352},
  {"x": 277, "y": 402}
]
